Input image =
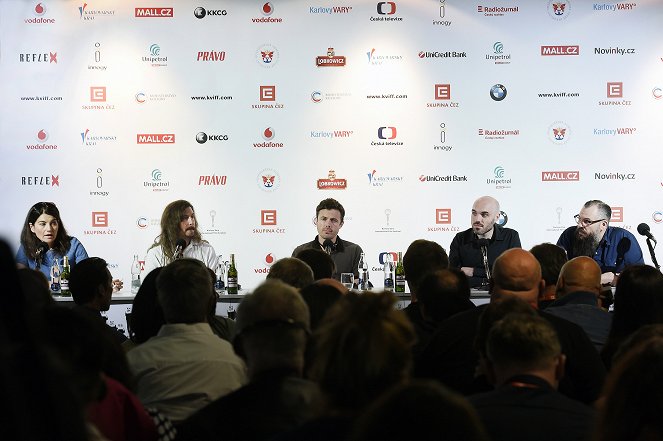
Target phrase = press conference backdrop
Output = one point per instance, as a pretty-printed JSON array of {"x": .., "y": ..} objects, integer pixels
[{"x": 405, "y": 111}]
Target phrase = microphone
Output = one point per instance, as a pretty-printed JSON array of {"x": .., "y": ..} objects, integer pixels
[
  {"x": 328, "y": 245},
  {"x": 42, "y": 248},
  {"x": 483, "y": 244},
  {"x": 179, "y": 247},
  {"x": 643, "y": 229}
]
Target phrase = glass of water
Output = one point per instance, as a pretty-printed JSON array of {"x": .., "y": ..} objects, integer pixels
[{"x": 348, "y": 280}]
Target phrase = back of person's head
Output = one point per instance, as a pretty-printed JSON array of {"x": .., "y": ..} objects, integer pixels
[
  {"x": 272, "y": 327},
  {"x": 363, "y": 347},
  {"x": 146, "y": 316},
  {"x": 425, "y": 407},
  {"x": 521, "y": 343},
  {"x": 444, "y": 293},
  {"x": 581, "y": 273},
  {"x": 423, "y": 257},
  {"x": 35, "y": 288},
  {"x": 632, "y": 406},
  {"x": 494, "y": 312},
  {"x": 319, "y": 298},
  {"x": 87, "y": 277},
  {"x": 293, "y": 271},
  {"x": 551, "y": 258},
  {"x": 185, "y": 291},
  {"x": 320, "y": 262},
  {"x": 516, "y": 272},
  {"x": 638, "y": 297}
]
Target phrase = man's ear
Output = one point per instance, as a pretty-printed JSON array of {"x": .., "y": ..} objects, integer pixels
[{"x": 561, "y": 366}]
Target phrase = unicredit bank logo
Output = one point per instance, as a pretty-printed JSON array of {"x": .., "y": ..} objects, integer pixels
[
  {"x": 155, "y": 138},
  {"x": 560, "y": 50},
  {"x": 560, "y": 176},
  {"x": 386, "y": 8},
  {"x": 387, "y": 132},
  {"x": 154, "y": 12}
]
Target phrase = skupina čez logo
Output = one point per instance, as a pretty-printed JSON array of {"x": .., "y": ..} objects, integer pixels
[
  {"x": 332, "y": 182},
  {"x": 330, "y": 60}
]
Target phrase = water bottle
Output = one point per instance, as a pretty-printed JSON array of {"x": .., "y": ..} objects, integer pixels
[
  {"x": 135, "y": 275},
  {"x": 388, "y": 273},
  {"x": 55, "y": 278},
  {"x": 362, "y": 270},
  {"x": 220, "y": 284}
]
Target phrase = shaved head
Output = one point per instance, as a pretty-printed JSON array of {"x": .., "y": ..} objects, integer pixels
[
  {"x": 579, "y": 274},
  {"x": 485, "y": 212},
  {"x": 516, "y": 272}
]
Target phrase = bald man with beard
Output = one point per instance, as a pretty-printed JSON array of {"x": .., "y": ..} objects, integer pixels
[
  {"x": 578, "y": 289},
  {"x": 465, "y": 250},
  {"x": 452, "y": 359}
]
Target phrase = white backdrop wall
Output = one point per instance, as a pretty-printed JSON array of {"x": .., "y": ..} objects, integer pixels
[{"x": 82, "y": 84}]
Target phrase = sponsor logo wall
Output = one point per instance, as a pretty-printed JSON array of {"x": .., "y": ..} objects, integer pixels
[{"x": 404, "y": 111}]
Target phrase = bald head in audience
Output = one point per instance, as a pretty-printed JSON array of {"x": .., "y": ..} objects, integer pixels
[
  {"x": 579, "y": 274},
  {"x": 516, "y": 272}
]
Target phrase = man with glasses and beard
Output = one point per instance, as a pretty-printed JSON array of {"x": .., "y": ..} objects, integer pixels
[{"x": 613, "y": 248}]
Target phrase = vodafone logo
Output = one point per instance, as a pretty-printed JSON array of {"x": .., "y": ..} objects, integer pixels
[
  {"x": 42, "y": 136},
  {"x": 268, "y": 134},
  {"x": 155, "y": 138},
  {"x": 154, "y": 12}
]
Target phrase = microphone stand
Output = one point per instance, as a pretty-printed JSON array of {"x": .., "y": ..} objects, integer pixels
[{"x": 653, "y": 255}]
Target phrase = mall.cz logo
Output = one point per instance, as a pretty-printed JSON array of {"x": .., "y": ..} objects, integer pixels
[
  {"x": 211, "y": 56},
  {"x": 155, "y": 138},
  {"x": 560, "y": 176},
  {"x": 560, "y": 50},
  {"x": 154, "y": 12},
  {"x": 52, "y": 181}
]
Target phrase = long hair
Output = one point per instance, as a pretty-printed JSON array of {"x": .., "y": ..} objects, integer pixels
[
  {"x": 29, "y": 239},
  {"x": 170, "y": 228}
]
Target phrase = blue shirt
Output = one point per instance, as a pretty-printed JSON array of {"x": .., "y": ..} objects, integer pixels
[
  {"x": 616, "y": 243},
  {"x": 75, "y": 253}
]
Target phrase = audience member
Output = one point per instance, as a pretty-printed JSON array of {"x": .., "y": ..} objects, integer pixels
[
  {"x": 319, "y": 298},
  {"x": 638, "y": 302},
  {"x": 185, "y": 366},
  {"x": 272, "y": 331},
  {"x": 292, "y": 271},
  {"x": 578, "y": 290},
  {"x": 223, "y": 327},
  {"x": 525, "y": 362},
  {"x": 91, "y": 286},
  {"x": 335, "y": 284},
  {"x": 551, "y": 257},
  {"x": 146, "y": 317},
  {"x": 320, "y": 262},
  {"x": 424, "y": 408}
]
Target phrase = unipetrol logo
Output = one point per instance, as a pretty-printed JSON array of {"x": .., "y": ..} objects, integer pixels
[
  {"x": 267, "y": 93},
  {"x": 559, "y": 10},
  {"x": 39, "y": 11},
  {"x": 657, "y": 217},
  {"x": 498, "y": 47},
  {"x": 211, "y": 56},
  {"x": 498, "y": 92},
  {"x": 332, "y": 182},
  {"x": 330, "y": 60},
  {"x": 212, "y": 180},
  {"x": 559, "y": 132},
  {"x": 155, "y": 49},
  {"x": 387, "y": 256},
  {"x": 560, "y": 50},
  {"x": 201, "y": 12},
  {"x": 617, "y": 214},
  {"x": 267, "y": 217},
  {"x": 267, "y": 55},
  {"x": 267, "y": 10},
  {"x": 499, "y": 172},
  {"x": 499, "y": 56},
  {"x": 157, "y": 183},
  {"x": 99, "y": 219},
  {"x": 556, "y": 176},
  {"x": 155, "y": 57},
  {"x": 98, "y": 94},
  {"x": 47, "y": 181},
  {"x": 155, "y": 138},
  {"x": 443, "y": 215},
  {"x": 443, "y": 91},
  {"x": 42, "y": 57},
  {"x": 499, "y": 180},
  {"x": 156, "y": 175},
  {"x": 268, "y": 180},
  {"x": 154, "y": 12},
  {"x": 387, "y": 132},
  {"x": 615, "y": 89}
]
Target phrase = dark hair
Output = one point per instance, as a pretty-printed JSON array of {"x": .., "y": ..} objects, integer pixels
[
  {"x": 292, "y": 271},
  {"x": 330, "y": 204},
  {"x": 86, "y": 276},
  {"x": 494, "y": 312},
  {"x": 185, "y": 291},
  {"x": 551, "y": 258},
  {"x": 320, "y": 262},
  {"x": 638, "y": 302},
  {"x": 319, "y": 299},
  {"x": 423, "y": 257},
  {"x": 146, "y": 315},
  {"x": 170, "y": 227},
  {"x": 445, "y": 293},
  {"x": 604, "y": 208},
  {"x": 29, "y": 239}
]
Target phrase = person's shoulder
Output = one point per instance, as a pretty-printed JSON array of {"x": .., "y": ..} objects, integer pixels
[
  {"x": 464, "y": 235},
  {"x": 622, "y": 232}
]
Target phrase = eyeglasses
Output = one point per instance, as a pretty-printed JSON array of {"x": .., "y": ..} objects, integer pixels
[{"x": 586, "y": 222}]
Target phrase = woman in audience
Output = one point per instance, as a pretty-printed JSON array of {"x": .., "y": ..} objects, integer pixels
[
  {"x": 44, "y": 240},
  {"x": 638, "y": 302}
]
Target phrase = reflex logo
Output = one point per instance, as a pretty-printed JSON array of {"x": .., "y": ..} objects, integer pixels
[
  {"x": 53, "y": 181},
  {"x": 155, "y": 138},
  {"x": 267, "y": 217},
  {"x": 555, "y": 176},
  {"x": 615, "y": 89},
  {"x": 443, "y": 91},
  {"x": 332, "y": 182},
  {"x": 387, "y": 132},
  {"x": 99, "y": 218},
  {"x": 443, "y": 215},
  {"x": 560, "y": 50},
  {"x": 153, "y": 12},
  {"x": 387, "y": 255},
  {"x": 386, "y": 8},
  {"x": 267, "y": 93},
  {"x": 98, "y": 94}
]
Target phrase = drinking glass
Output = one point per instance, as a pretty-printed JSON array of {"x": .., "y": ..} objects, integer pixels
[{"x": 348, "y": 280}]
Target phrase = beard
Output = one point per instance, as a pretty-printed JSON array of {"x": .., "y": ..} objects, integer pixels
[{"x": 585, "y": 246}]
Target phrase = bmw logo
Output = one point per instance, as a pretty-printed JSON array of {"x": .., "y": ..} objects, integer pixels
[
  {"x": 498, "y": 92},
  {"x": 201, "y": 138}
]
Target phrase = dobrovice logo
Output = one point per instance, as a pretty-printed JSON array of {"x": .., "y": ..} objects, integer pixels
[
  {"x": 154, "y": 12},
  {"x": 560, "y": 50},
  {"x": 39, "y": 11},
  {"x": 268, "y": 134},
  {"x": 44, "y": 181},
  {"x": 332, "y": 182},
  {"x": 330, "y": 60},
  {"x": 41, "y": 138},
  {"x": 155, "y": 138},
  {"x": 268, "y": 180},
  {"x": 202, "y": 137},
  {"x": 267, "y": 55},
  {"x": 555, "y": 176},
  {"x": 267, "y": 10},
  {"x": 559, "y": 132},
  {"x": 156, "y": 183}
]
